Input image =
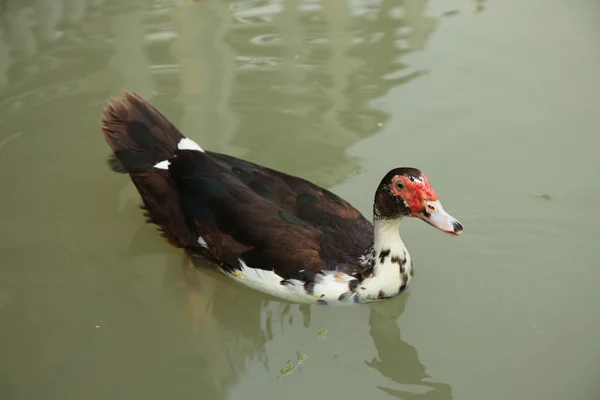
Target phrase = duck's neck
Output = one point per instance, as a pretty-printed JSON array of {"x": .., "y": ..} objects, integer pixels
[
  {"x": 387, "y": 236},
  {"x": 387, "y": 261},
  {"x": 389, "y": 250}
]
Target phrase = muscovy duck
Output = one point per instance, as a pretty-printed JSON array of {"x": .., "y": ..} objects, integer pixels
[{"x": 274, "y": 232}]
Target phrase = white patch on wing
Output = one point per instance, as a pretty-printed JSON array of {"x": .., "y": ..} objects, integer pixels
[
  {"x": 202, "y": 242},
  {"x": 162, "y": 165},
  {"x": 329, "y": 286},
  {"x": 188, "y": 144}
]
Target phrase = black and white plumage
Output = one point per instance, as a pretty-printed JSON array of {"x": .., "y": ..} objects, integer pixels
[{"x": 277, "y": 233}]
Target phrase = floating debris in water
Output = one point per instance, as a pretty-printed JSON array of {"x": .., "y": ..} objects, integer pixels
[
  {"x": 544, "y": 196},
  {"x": 450, "y": 13},
  {"x": 285, "y": 371},
  {"x": 290, "y": 367},
  {"x": 97, "y": 326},
  {"x": 379, "y": 124},
  {"x": 322, "y": 332},
  {"x": 479, "y": 6}
]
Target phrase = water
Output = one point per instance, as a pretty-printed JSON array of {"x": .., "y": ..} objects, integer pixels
[{"x": 496, "y": 102}]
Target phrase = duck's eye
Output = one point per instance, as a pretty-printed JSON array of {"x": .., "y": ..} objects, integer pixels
[{"x": 399, "y": 185}]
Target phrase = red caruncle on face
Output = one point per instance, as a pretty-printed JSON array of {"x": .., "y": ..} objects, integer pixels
[{"x": 413, "y": 191}]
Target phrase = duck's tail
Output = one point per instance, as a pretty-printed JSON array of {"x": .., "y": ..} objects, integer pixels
[
  {"x": 142, "y": 140},
  {"x": 138, "y": 134}
]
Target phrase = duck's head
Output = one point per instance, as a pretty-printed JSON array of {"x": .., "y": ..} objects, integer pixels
[{"x": 406, "y": 192}]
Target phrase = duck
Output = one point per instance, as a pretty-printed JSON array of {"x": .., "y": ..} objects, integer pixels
[{"x": 271, "y": 231}]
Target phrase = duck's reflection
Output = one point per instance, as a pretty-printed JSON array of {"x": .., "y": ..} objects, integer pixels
[
  {"x": 398, "y": 360},
  {"x": 226, "y": 331}
]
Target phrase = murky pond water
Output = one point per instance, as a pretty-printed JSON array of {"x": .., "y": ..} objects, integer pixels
[{"x": 497, "y": 102}]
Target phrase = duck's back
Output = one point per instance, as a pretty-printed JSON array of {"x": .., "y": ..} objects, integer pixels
[
  {"x": 239, "y": 214},
  {"x": 271, "y": 221}
]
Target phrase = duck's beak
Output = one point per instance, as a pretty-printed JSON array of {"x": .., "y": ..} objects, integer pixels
[{"x": 434, "y": 214}]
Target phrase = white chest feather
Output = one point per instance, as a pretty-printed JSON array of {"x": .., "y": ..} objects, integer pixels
[
  {"x": 391, "y": 276},
  {"x": 392, "y": 264}
]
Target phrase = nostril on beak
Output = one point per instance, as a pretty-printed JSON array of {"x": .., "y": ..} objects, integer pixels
[{"x": 457, "y": 226}]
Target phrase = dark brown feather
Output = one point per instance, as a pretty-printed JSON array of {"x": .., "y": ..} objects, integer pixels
[
  {"x": 140, "y": 136},
  {"x": 268, "y": 219},
  {"x": 271, "y": 220},
  {"x": 116, "y": 165}
]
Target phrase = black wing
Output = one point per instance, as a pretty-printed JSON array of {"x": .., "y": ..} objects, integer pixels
[{"x": 271, "y": 220}]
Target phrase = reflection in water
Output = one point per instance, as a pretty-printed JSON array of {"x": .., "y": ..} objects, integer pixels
[
  {"x": 479, "y": 6},
  {"x": 228, "y": 332},
  {"x": 51, "y": 53},
  {"x": 228, "y": 326},
  {"x": 399, "y": 360},
  {"x": 307, "y": 75},
  {"x": 286, "y": 84}
]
